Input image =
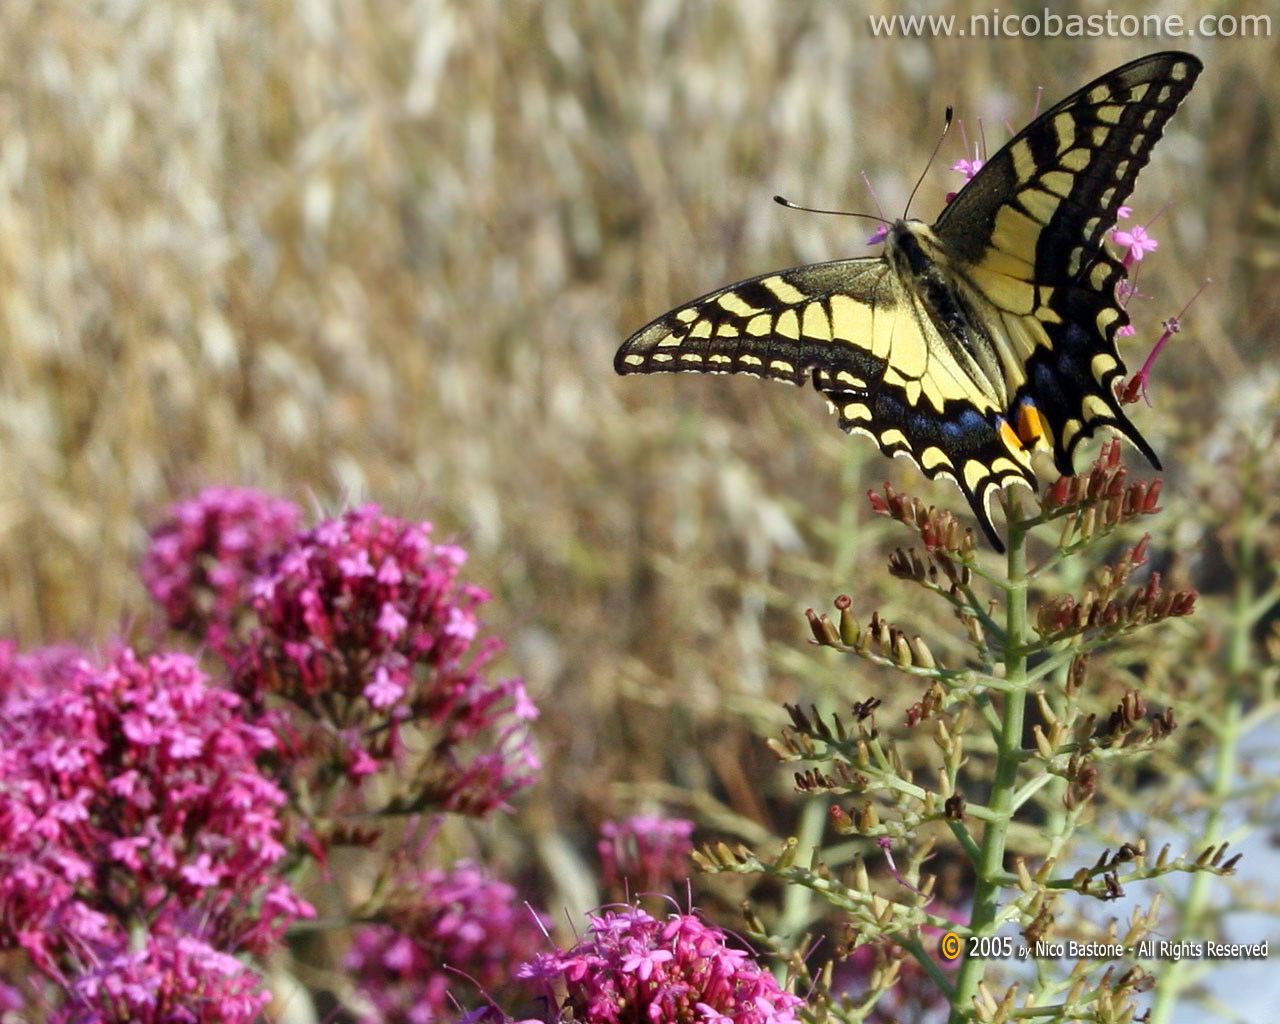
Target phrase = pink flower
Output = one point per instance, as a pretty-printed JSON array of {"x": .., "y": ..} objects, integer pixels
[
  {"x": 1136, "y": 242},
  {"x": 201, "y": 872},
  {"x": 969, "y": 168},
  {"x": 384, "y": 690},
  {"x": 391, "y": 621},
  {"x": 633, "y": 967},
  {"x": 643, "y": 961}
]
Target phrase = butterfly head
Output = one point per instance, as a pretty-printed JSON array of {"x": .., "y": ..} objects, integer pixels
[{"x": 911, "y": 248}]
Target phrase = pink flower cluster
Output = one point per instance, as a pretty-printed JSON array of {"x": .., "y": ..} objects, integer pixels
[
  {"x": 142, "y": 840},
  {"x": 648, "y": 851},
  {"x": 175, "y": 980},
  {"x": 131, "y": 803},
  {"x": 444, "y": 931},
  {"x": 205, "y": 553},
  {"x": 632, "y": 968},
  {"x": 362, "y": 622}
]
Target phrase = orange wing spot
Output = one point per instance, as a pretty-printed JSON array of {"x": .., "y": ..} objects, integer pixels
[
  {"x": 1014, "y": 444},
  {"x": 1011, "y": 440},
  {"x": 1033, "y": 428}
]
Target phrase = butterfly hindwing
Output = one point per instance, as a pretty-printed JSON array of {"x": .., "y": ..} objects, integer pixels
[{"x": 965, "y": 345}]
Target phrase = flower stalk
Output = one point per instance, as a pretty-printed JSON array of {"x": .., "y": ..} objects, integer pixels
[{"x": 989, "y": 879}]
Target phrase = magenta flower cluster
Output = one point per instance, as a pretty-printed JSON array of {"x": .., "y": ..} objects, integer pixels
[
  {"x": 131, "y": 804},
  {"x": 148, "y": 814},
  {"x": 205, "y": 553},
  {"x": 174, "y": 980},
  {"x": 362, "y": 621},
  {"x": 632, "y": 968},
  {"x": 445, "y": 930},
  {"x": 646, "y": 851}
]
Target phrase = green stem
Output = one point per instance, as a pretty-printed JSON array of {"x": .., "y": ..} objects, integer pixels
[
  {"x": 1228, "y": 730},
  {"x": 990, "y": 866}
]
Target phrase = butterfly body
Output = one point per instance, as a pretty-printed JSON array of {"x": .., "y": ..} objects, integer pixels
[{"x": 966, "y": 344}]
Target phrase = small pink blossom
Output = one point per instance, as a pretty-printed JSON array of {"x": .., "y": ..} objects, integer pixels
[
  {"x": 201, "y": 873},
  {"x": 1136, "y": 243},
  {"x": 644, "y": 961},
  {"x": 969, "y": 168},
  {"x": 391, "y": 622},
  {"x": 384, "y": 690}
]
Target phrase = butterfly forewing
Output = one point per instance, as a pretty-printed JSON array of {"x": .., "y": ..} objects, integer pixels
[{"x": 775, "y": 326}]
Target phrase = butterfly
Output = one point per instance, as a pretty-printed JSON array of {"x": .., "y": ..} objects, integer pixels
[{"x": 969, "y": 344}]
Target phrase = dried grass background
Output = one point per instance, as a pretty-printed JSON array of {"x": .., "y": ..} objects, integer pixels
[{"x": 386, "y": 251}]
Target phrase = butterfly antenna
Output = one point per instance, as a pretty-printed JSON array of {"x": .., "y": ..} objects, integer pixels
[
  {"x": 946, "y": 127},
  {"x": 783, "y": 201}
]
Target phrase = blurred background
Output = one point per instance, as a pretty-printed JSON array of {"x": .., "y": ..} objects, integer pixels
[{"x": 350, "y": 251}]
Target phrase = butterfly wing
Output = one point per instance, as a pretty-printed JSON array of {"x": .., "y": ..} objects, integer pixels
[
  {"x": 868, "y": 345},
  {"x": 1028, "y": 231}
]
